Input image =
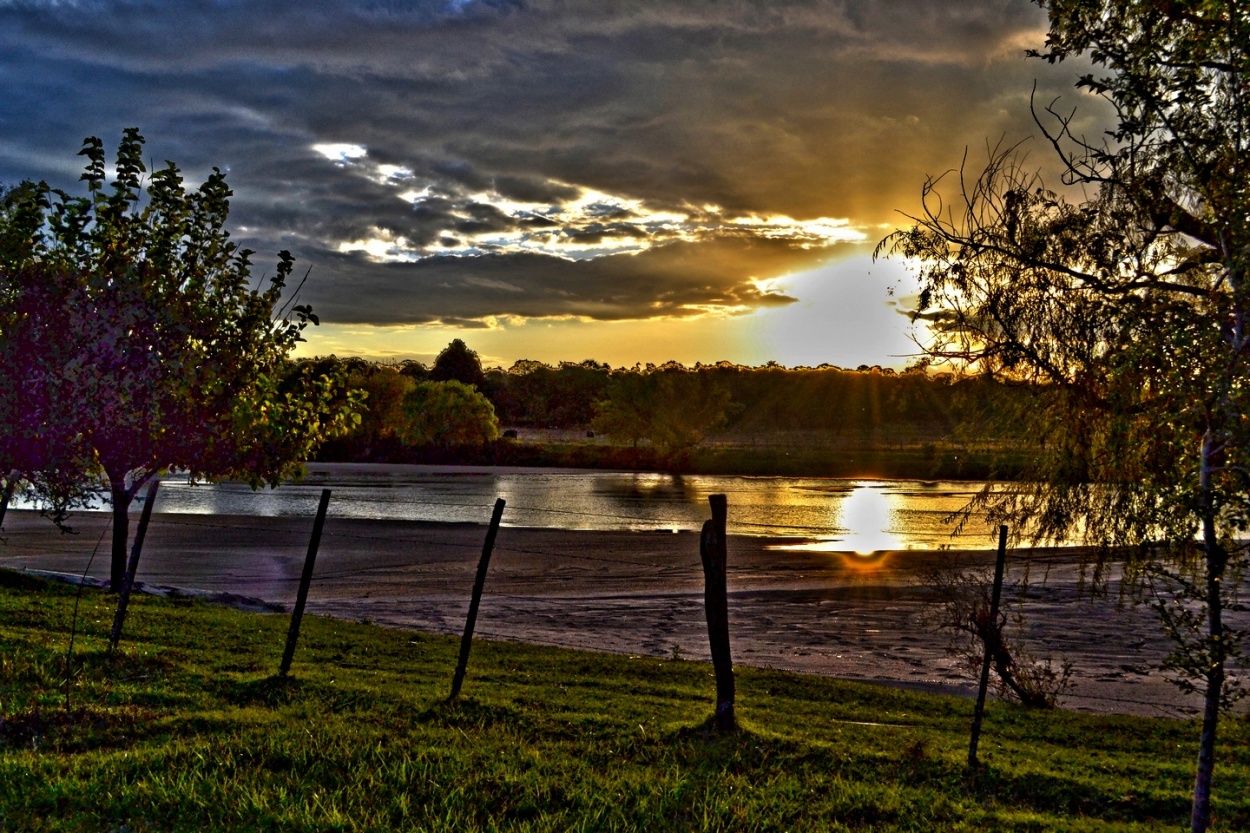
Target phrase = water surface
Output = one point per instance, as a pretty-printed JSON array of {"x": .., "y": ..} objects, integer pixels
[{"x": 858, "y": 515}]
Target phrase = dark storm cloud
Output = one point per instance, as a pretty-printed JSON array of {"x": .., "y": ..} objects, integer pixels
[
  {"x": 464, "y": 109},
  {"x": 674, "y": 280}
]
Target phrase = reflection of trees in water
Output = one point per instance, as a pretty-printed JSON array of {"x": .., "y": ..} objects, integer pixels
[
  {"x": 645, "y": 487},
  {"x": 798, "y": 508}
]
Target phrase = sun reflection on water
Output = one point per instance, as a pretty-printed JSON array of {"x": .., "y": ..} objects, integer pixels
[{"x": 865, "y": 518}]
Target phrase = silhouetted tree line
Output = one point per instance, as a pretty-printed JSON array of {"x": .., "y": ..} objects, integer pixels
[{"x": 666, "y": 409}]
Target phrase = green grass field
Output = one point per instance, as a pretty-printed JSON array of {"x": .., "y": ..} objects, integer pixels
[
  {"x": 864, "y": 460},
  {"x": 186, "y": 728}
]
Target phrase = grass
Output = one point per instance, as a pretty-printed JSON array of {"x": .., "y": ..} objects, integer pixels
[
  {"x": 186, "y": 728},
  {"x": 895, "y": 452},
  {"x": 917, "y": 462}
]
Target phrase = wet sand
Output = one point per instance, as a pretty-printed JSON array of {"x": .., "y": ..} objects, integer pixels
[{"x": 835, "y": 614}]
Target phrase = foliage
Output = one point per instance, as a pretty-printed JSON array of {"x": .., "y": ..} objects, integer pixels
[
  {"x": 625, "y": 413},
  {"x": 963, "y": 608},
  {"x": 457, "y": 363},
  {"x": 1130, "y": 303},
  {"x": 533, "y": 393},
  {"x": 446, "y": 413},
  {"x": 39, "y": 448},
  {"x": 186, "y": 728},
  {"x": 384, "y": 389},
  {"x": 134, "y": 343},
  {"x": 762, "y": 400},
  {"x": 671, "y": 406},
  {"x": 684, "y": 407},
  {"x": 823, "y": 421}
]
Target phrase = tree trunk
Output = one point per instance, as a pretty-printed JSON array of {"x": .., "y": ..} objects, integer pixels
[
  {"x": 121, "y": 532},
  {"x": 1216, "y": 560},
  {"x": 1201, "y": 819}
]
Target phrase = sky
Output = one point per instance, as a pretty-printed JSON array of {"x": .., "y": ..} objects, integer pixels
[{"x": 628, "y": 182}]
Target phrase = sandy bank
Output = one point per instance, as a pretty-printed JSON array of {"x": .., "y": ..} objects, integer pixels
[{"x": 634, "y": 593}]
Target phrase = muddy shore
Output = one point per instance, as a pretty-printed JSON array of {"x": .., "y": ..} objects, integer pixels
[{"x": 835, "y": 614}]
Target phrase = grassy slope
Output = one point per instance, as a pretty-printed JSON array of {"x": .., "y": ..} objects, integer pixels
[{"x": 185, "y": 729}]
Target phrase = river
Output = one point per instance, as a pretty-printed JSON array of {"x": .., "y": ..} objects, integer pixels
[{"x": 829, "y": 514}]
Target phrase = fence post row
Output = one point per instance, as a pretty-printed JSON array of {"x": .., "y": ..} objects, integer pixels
[
  {"x": 979, "y": 711},
  {"x": 297, "y": 615},
  {"x": 713, "y": 552},
  {"x": 132, "y": 566},
  {"x": 466, "y": 642}
]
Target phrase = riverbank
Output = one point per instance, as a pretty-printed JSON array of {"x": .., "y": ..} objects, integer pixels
[
  {"x": 833, "y": 614},
  {"x": 848, "y": 454}
]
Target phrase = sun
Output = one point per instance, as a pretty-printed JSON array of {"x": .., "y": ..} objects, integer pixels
[
  {"x": 850, "y": 312},
  {"x": 867, "y": 516}
]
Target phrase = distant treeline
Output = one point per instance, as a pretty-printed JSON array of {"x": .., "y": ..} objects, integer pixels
[{"x": 656, "y": 415}]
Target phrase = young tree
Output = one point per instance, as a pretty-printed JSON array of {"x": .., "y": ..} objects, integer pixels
[
  {"x": 963, "y": 609},
  {"x": 136, "y": 344},
  {"x": 1129, "y": 306},
  {"x": 447, "y": 413},
  {"x": 686, "y": 405}
]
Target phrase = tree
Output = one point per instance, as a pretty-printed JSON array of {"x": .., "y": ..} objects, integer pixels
[
  {"x": 1128, "y": 305},
  {"x": 625, "y": 414},
  {"x": 685, "y": 406},
  {"x": 447, "y": 414},
  {"x": 384, "y": 389},
  {"x": 672, "y": 407},
  {"x": 39, "y": 444},
  {"x": 457, "y": 362},
  {"x": 413, "y": 369},
  {"x": 138, "y": 345}
]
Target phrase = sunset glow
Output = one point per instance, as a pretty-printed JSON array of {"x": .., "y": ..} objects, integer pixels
[{"x": 691, "y": 182}]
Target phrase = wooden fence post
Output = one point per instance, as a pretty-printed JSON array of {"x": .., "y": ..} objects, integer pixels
[
  {"x": 301, "y": 599},
  {"x": 713, "y": 552},
  {"x": 466, "y": 642},
  {"x": 977, "y": 713},
  {"x": 132, "y": 567}
]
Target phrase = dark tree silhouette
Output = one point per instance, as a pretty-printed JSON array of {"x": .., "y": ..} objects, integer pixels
[
  {"x": 458, "y": 363},
  {"x": 1131, "y": 307}
]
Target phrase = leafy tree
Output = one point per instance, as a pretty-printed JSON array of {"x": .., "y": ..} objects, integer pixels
[
  {"x": 963, "y": 609},
  {"x": 1129, "y": 303},
  {"x": 384, "y": 389},
  {"x": 447, "y": 413},
  {"x": 414, "y": 369},
  {"x": 672, "y": 407},
  {"x": 685, "y": 407},
  {"x": 40, "y": 446},
  {"x": 625, "y": 415},
  {"x": 133, "y": 343},
  {"x": 457, "y": 362}
]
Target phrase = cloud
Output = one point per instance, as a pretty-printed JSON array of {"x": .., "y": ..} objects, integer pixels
[
  {"x": 677, "y": 280},
  {"x": 446, "y": 160}
]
